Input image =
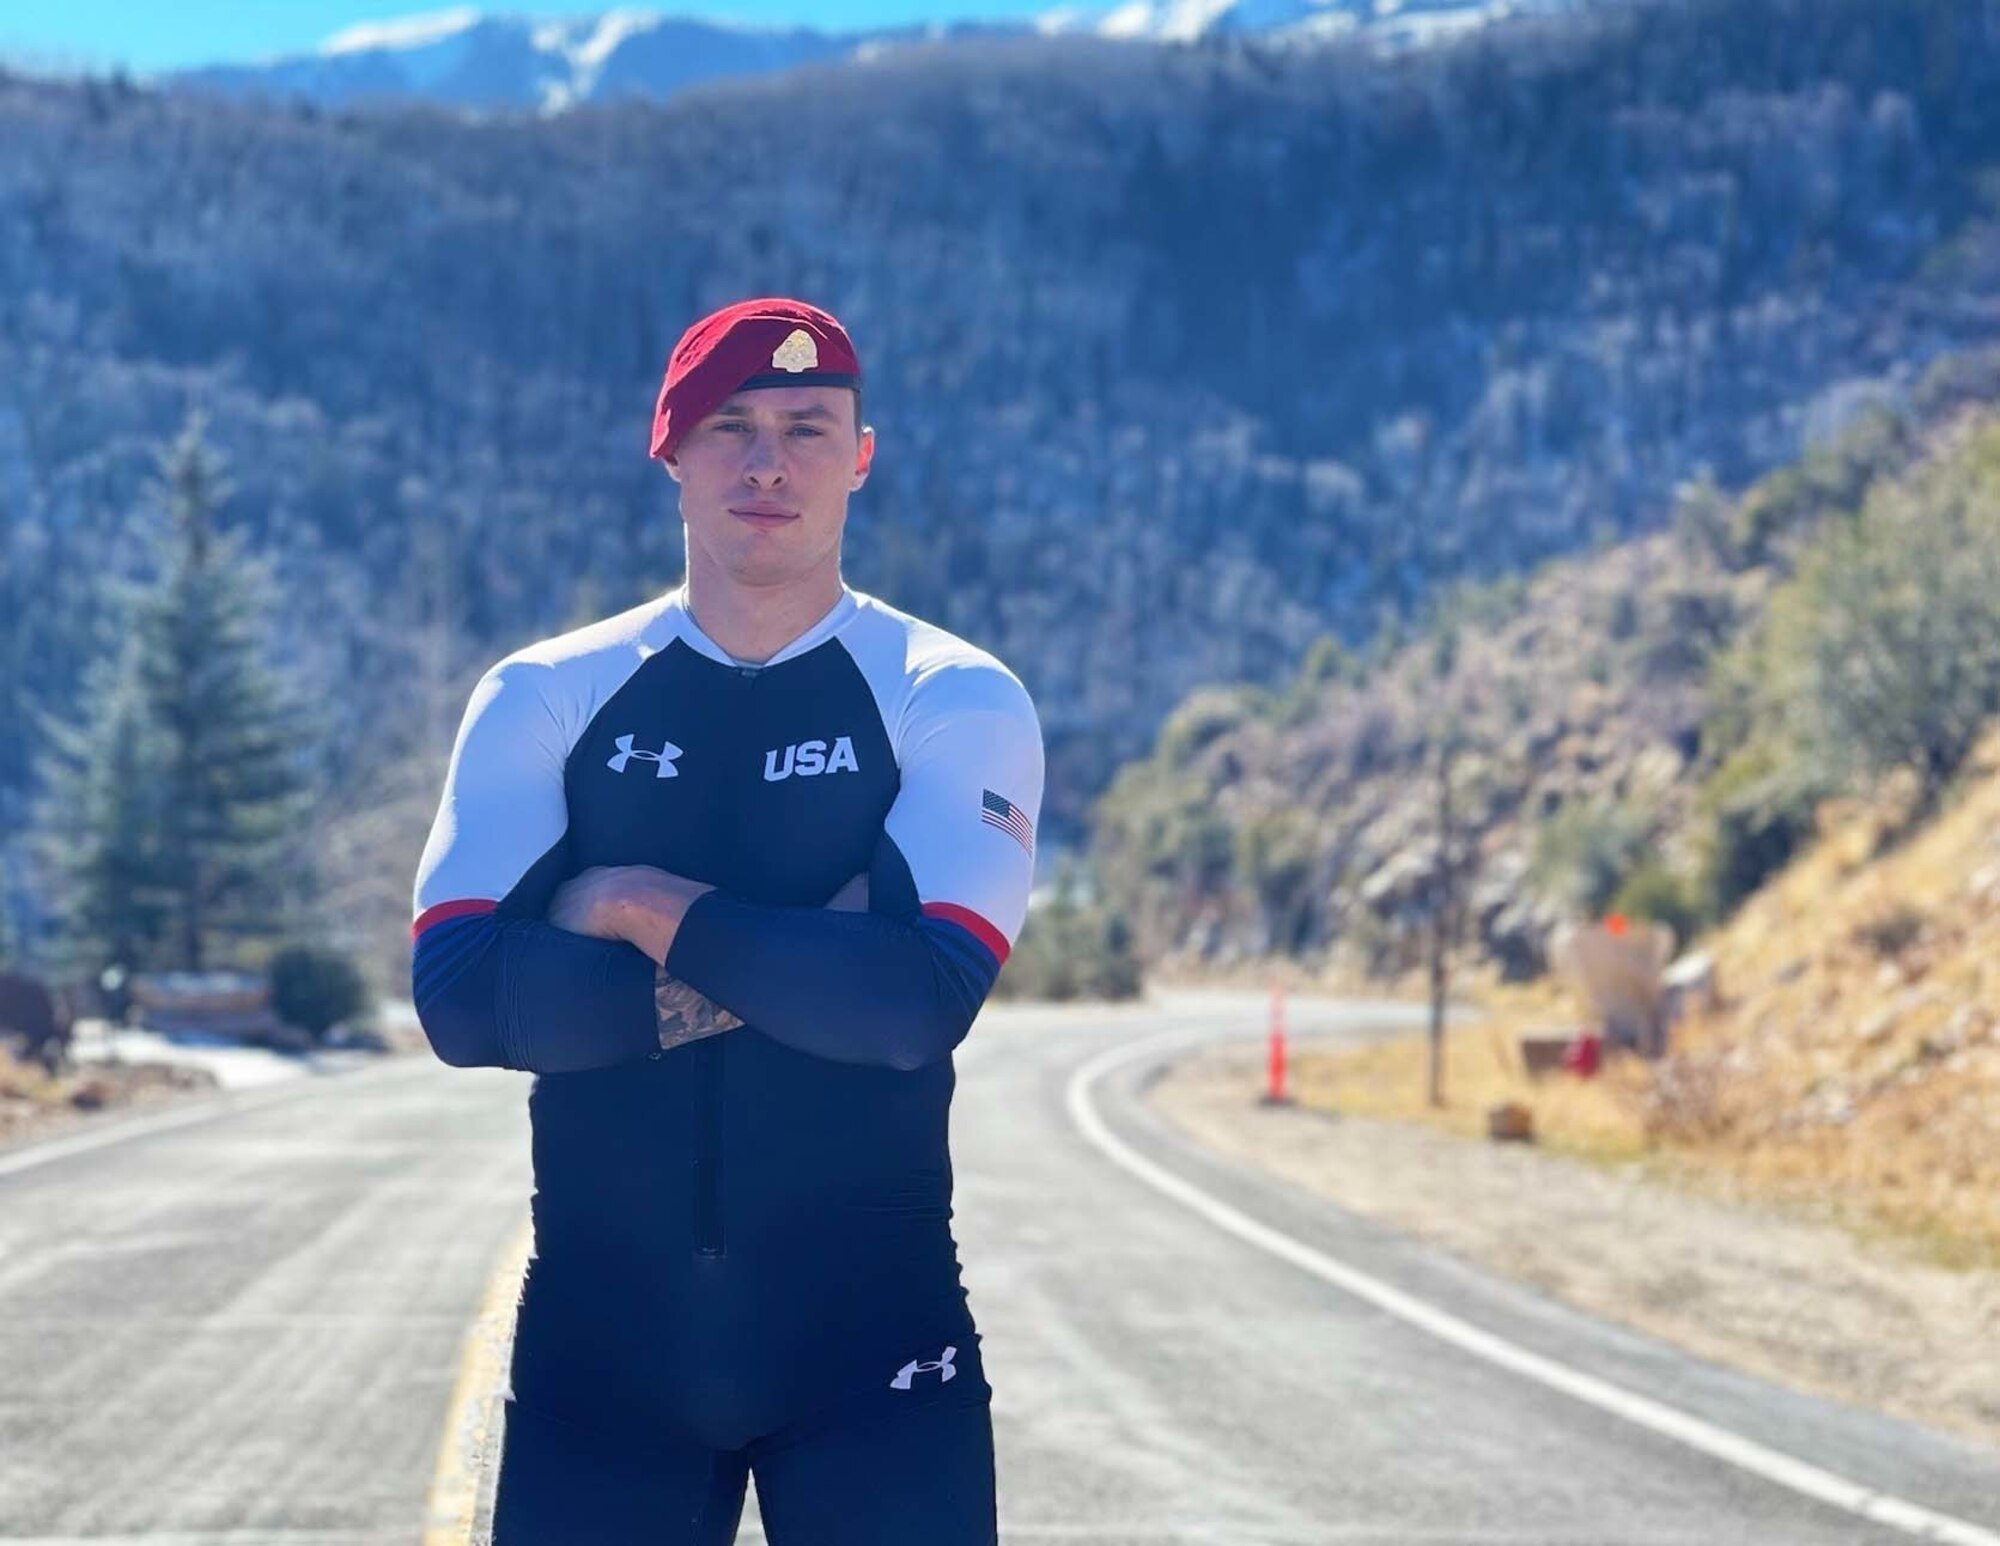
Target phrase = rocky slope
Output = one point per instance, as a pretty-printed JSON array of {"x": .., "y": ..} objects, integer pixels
[{"x": 1592, "y": 708}]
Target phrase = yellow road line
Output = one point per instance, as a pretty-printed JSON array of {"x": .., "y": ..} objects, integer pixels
[{"x": 466, "y": 1455}]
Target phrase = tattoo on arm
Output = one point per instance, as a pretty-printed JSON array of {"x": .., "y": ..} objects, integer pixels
[{"x": 684, "y": 1015}]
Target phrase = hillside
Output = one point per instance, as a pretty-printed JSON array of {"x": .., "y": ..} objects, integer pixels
[
  {"x": 1502, "y": 296},
  {"x": 1775, "y": 727},
  {"x": 1851, "y": 1072},
  {"x": 1858, "y": 1050},
  {"x": 1608, "y": 714}
]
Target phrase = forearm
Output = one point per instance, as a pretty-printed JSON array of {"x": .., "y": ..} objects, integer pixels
[
  {"x": 853, "y": 987},
  {"x": 683, "y": 1015},
  {"x": 521, "y": 993}
]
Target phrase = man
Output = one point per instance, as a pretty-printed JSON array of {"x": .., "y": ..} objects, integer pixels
[{"x": 732, "y": 872}]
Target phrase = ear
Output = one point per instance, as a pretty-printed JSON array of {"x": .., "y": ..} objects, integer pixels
[
  {"x": 863, "y": 459},
  {"x": 673, "y": 467}
]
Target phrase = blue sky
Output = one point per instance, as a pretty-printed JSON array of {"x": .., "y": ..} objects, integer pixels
[{"x": 146, "y": 35}]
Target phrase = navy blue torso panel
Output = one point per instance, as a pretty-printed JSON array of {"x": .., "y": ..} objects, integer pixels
[{"x": 720, "y": 818}]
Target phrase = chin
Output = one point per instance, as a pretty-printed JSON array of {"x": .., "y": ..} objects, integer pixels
[{"x": 764, "y": 568}]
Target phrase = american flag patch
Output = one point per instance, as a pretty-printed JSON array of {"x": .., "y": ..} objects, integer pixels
[{"x": 998, "y": 811}]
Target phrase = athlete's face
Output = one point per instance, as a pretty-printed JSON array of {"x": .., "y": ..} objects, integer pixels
[{"x": 765, "y": 478}]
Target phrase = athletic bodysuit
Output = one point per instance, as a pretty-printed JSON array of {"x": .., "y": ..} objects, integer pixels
[{"x": 743, "y": 1255}]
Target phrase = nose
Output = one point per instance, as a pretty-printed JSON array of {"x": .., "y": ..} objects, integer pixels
[{"x": 763, "y": 466}]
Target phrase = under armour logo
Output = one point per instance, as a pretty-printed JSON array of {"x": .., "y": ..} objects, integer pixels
[
  {"x": 664, "y": 757},
  {"x": 912, "y": 1369}
]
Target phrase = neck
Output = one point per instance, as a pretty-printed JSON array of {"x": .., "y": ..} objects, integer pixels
[{"x": 754, "y": 622}]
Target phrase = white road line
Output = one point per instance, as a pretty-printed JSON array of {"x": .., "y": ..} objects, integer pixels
[
  {"x": 247, "y": 1537},
  {"x": 1669, "y": 1422},
  {"x": 42, "y": 1151},
  {"x": 1227, "y": 1532},
  {"x": 82, "y": 1143}
]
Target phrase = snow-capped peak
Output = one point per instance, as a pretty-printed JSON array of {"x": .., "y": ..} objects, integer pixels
[
  {"x": 468, "y": 58},
  {"x": 404, "y": 32},
  {"x": 1184, "y": 21},
  {"x": 1165, "y": 21}
]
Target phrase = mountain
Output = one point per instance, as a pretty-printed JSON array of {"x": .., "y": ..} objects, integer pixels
[
  {"x": 1391, "y": 22},
  {"x": 466, "y": 58},
  {"x": 1181, "y": 358},
  {"x": 461, "y": 58}
]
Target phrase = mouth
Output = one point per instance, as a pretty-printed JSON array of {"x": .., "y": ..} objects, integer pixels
[{"x": 762, "y": 515}]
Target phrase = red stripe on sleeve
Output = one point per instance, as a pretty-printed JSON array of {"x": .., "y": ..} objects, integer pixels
[
  {"x": 973, "y": 924},
  {"x": 444, "y": 910}
]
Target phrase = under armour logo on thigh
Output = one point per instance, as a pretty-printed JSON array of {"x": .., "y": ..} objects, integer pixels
[{"x": 912, "y": 1369}]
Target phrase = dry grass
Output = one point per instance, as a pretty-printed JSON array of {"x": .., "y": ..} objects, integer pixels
[
  {"x": 1596, "y": 1119},
  {"x": 1852, "y": 1074},
  {"x": 34, "y": 1102}
]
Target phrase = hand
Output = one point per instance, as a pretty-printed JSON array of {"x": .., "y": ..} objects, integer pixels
[{"x": 637, "y": 903}]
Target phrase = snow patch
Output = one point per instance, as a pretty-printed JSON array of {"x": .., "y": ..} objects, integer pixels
[
  {"x": 579, "y": 49},
  {"x": 235, "y": 1065},
  {"x": 404, "y": 32},
  {"x": 614, "y": 29},
  {"x": 1167, "y": 21},
  {"x": 1064, "y": 20}
]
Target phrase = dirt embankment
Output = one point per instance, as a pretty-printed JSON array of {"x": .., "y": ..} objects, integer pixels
[{"x": 36, "y": 1104}]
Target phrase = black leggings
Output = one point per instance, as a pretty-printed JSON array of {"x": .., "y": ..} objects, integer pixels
[{"x": 890, "y": 1467}]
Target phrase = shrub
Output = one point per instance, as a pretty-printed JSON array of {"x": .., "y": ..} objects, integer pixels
[
  {"x": 1205, "y": 717},
  {"x": 1759, "y": 810},
  {"x": 315, "y": 988},
  {"x": 1881, "y": 654},
  {"x": 1584, "y": 852},
  {"x": 1654, "y": 892},
  {"x": 1829, "y": 478},
  {"x": 1070, "y": 949},
  {"x": 1892, "y": 930}
]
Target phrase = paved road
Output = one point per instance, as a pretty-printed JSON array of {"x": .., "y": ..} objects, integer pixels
[
  {"x": 246, "y": 1330},
  {"x": 1158, "y": 1380}
]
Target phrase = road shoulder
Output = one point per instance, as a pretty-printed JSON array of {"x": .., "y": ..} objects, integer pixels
[{"x": 1807, "y": 1305}]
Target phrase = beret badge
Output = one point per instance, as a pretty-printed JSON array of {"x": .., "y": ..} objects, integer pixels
[{"x": 797, "y": 353}]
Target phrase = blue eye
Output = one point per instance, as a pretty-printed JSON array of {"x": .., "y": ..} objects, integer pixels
[{"x": 805, "y": 429}]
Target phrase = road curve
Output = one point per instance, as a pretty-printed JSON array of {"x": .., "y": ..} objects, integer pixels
[
  {"x": 1306, "y": 1375},
  {"x": 247, "y": 1329}
]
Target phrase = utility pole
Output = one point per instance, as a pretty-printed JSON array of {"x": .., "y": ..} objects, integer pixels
[{"x": 1443, "y": 916}]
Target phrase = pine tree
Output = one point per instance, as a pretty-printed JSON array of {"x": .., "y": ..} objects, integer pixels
[
  {"x": 183, "y": 791},
  {"x": 102, "y": 838}
]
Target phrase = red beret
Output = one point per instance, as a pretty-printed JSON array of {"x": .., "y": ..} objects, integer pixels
[{"x": 762, "y": 343}]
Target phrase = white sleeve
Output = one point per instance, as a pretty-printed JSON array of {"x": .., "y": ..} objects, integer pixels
[
  {"x": 969, "y": 748},
  {"x": 503, "y": 806}
]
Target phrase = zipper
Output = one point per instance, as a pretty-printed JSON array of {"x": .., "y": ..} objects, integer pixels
[{"x": 708, "y": 1239}]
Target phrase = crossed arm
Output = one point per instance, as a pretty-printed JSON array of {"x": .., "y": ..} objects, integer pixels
[
  {"x": 625, "y": 961},
  {"x": 632, "y": 961},
  {"x": 644, "y": 907}
]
